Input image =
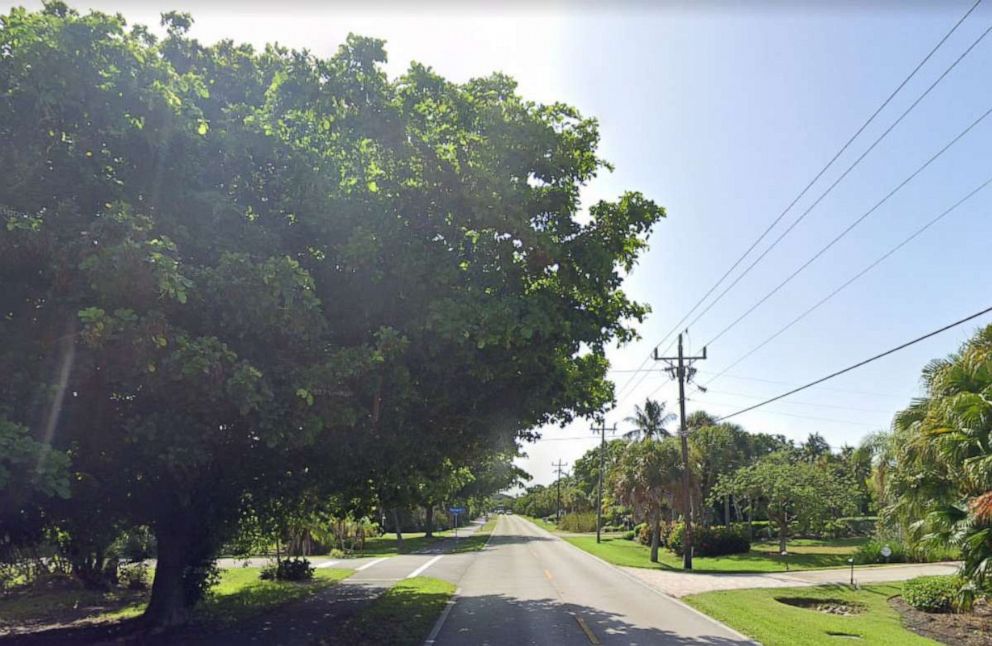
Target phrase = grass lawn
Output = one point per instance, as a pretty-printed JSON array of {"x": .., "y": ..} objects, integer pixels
[
  {"x": 804, "y": 554},
  {"x": 758, "y": 614},
  {"x": 402, "y": 616},
  {"x": 238, "y": 594}
]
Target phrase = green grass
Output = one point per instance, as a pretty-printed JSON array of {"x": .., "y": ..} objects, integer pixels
[
  {"x": 402, "y": 616},
  {"x": 387, "y": 545},
  {"x": 757, "y": 614},
  {"x": 804, "y": 554},
  {"x": 476, "y": 541},
  {"x": 543, "y": 524},
  {"x": 240, "y": 593}
]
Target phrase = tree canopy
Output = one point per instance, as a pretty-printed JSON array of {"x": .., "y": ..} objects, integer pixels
[{"x": 237, "y": 275}]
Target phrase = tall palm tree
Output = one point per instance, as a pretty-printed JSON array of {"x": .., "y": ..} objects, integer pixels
[{"x": 650, "y": 422}]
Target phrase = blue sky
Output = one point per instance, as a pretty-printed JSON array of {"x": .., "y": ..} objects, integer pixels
[{"x": 723, "y": 112}]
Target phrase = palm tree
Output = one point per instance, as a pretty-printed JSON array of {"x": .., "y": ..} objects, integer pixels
[
  {"x": 943, "y": 465},
  {"x": 649, "y": 422},
  {"x": 648, "y": 479}
]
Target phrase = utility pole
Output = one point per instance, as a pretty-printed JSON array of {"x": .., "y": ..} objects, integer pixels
[
  {"x": 681, "y": 368},
  {"x": 602, "y": 465},
  {"x": 559, "y": 467}
]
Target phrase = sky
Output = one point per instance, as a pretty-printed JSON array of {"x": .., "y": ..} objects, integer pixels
[{"x": 723, "y": 112}]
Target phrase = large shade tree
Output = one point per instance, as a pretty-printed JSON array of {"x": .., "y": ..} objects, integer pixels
[{"x": 234, "y": 275}]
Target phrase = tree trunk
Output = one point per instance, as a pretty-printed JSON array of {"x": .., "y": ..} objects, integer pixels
[
  {"x": 726, "y": 510},
  {"x": 396, "y": 523},
  {"x": 655, "y": 537},
  {"x": 429, "y": 520},
  {"x": 167, "y": 606},
  {"x": 783, "y": 530}
]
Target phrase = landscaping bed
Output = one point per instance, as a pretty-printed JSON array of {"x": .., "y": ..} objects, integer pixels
[{"x": 965, "y": 629}]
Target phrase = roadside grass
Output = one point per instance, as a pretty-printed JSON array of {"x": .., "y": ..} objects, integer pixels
[
  {"x": 402, "y": 616},
  {"x": 476, "y": 541},
  {"x": 239, "y": 594},
  {"x": 758, "y": 614},
  {"x": 543, "y": 524},
  {"x": 387, "y": 545},
  {"x": 804, "y": 554}
]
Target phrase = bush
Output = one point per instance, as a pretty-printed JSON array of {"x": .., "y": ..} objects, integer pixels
[
  {"x": 134, "y": 544},
  {"x": 643, "y": 534},
  {"x": 933, "y": 593},
  {"x": 871, "y": 552},
  {"x": 295, "y": 569},
  {"x": 578, "y": 522},
  {"x": 715, "y": 540},
  {"x": 134, "y": 576},
  {"x": 629, "y": 536}
]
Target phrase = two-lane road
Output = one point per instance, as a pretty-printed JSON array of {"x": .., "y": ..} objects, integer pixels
[{"x": 529, "y": 587}]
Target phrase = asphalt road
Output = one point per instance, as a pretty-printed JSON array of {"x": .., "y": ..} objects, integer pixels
[{"x": 529, "y": 587}]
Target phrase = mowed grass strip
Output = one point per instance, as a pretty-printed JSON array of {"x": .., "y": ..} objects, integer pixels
[
  {"x": 402, "y": 616},
  {"x": 758, "y": 614},
  {"x": 476, "y": 541},
  {"x": 239, "y": 594},
  {"x": 763, "y": 557}
]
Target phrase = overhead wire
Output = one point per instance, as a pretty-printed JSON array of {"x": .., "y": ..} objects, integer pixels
[
  {"x": 859, "y": 364},
  {"x": 851, "y": 226},
  {"x": 854, "y": 278},
  {"x": 843, "y": 175},
  {"x": 809, "y": 185}
]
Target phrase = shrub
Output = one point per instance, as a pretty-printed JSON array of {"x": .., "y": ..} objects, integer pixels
[
  {"x": 631, "y": 535},
  {"x": 871, "y": 552},
  {"x": 643, "y": 534},
  {"x": 295, "y": 569},
  {"x": 133, "y": 576},
  {"x": 578, "y": 522},
  {"x": 933, "y": 593},
  {"x": 715, "y": 540}
]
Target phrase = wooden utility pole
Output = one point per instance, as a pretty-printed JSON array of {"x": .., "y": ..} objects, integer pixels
[
  {"x": 602, "y": 466},
  {"x": 559, "y": 467},
  {"x": 681, "y": 368}
]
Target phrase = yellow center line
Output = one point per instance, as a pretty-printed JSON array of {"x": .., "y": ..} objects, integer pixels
[{"x": 588, "y": 631}]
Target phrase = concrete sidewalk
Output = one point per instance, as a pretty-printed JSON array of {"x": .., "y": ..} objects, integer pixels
[{"x": 680, "y": 584}]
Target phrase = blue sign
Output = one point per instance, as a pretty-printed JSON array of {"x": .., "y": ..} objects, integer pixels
[{"x": 457, "y": 510}]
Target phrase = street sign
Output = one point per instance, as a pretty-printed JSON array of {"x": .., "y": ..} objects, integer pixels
[
  {"x": 886, "y": 551},
  {"x": 456, "y": 510}
]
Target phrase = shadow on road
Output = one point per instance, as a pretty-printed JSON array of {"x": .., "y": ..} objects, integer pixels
[{"x": 498, "y": 619}]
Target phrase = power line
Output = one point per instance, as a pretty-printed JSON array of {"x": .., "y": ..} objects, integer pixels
[
  {"x": 866, "y": 393},
  {"x": 783, "y": 413},
  {"x": 843, "y": 175},
  {"x": 795, "y": 402},
  {"x": 854, "y": 278},
  {"x": 859, "y": 364},
  {"x": 854, "y": 224},
  {"x": 813, "y": 181}
]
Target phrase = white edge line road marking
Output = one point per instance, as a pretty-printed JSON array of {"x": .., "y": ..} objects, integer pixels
[
  {"x": 643, "y": 584},
  {"x": 326, "y": 564},
  {"x": 368, "y": 565},
  {"x": 439, "y": 624},
  {"x": 423, "y": 567}
]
